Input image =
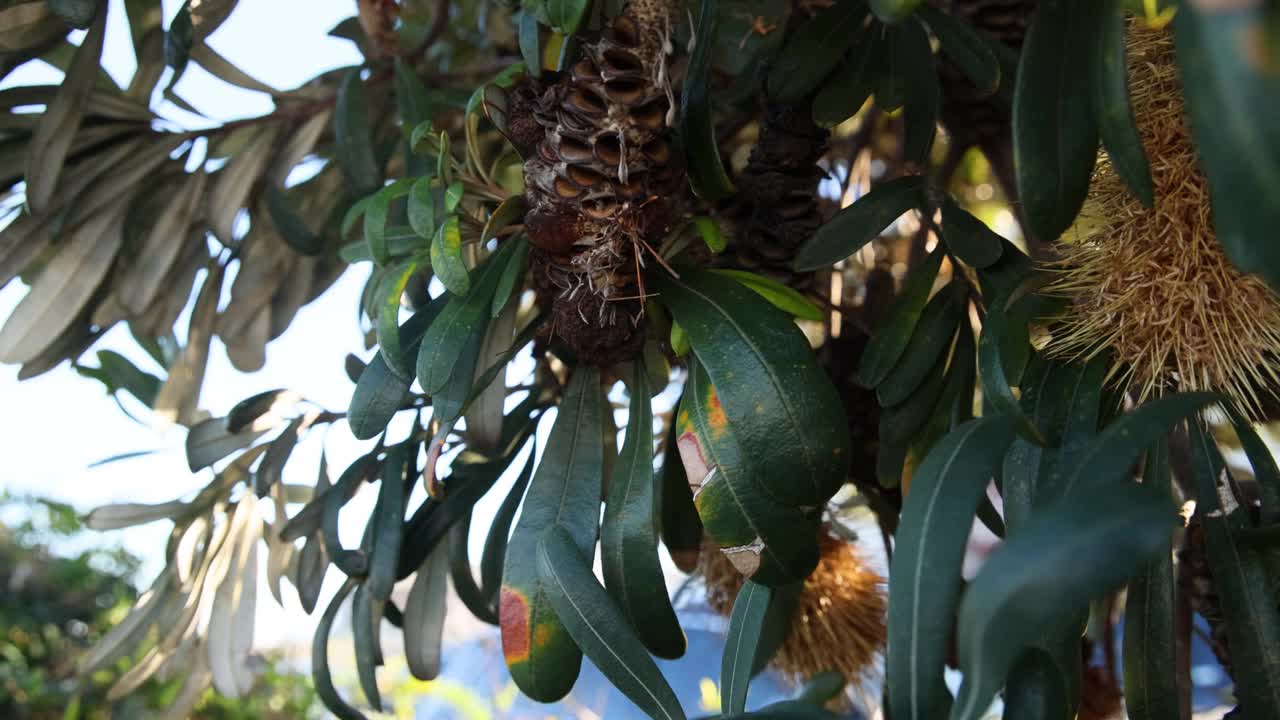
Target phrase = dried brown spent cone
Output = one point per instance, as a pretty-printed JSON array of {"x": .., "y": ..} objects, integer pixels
[
  {"x": 600, "y": 181},
  {"x": 1153, "y": 286},
  {"x": 840, "y": 621}
]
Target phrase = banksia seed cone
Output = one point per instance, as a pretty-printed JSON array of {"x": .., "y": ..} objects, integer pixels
[
  {"x": 839, "y": 623},
  {"x": 599, "y": 182},
  {"x": 777, "y": 205},
  {"x": 1152, "y": 285}
]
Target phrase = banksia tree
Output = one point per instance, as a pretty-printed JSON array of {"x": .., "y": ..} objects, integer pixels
[{"x": 774, "y": 211}]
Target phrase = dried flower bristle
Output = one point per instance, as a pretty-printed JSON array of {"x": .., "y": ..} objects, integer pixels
[
  {"x": 1153, "y": 286},
  {"x": 839, "y": 623}
]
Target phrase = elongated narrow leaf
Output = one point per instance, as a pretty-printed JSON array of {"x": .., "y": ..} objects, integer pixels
[
  {"x": 629, "y": 532},
  {"x": 320, "y": 674},
  {"x": 146, "y": 277},
  {"x": 1111, "y": 103},
  {"x": 455, "y": 327},
  {"x": 424, "y": 615},
  {"x": 353, "y": 136},
  {"x": 446, "y": 257},
  {"x": 366, "y": 613},
  {"x": 972, "y": 53},
  {"x": 765, "y": 541},
  {"x": 495, "y": 543},
  {"x": 815, "y": 49},
  {"x": 790, "y": 425},
  {"x": 844, "y": 93},
  {"x": 390, "y": 520},
  {"x": 512, "y": 275},
  {"x": 995, "y": 376},
  {"x": 893, "y": 11},
  {"x": 860, "y": 223},
  {"x": 697, "y": 125},
  {"x": 1227, "y": 57},
  {"x": 1055, "y": 134},
  {"x": 1110, "y": 456},
  {"x": 1265, "y": 469},
  {"x": 462, "y": 575},
  {"x": 599, "y": 628},
  {"x": 930, "y": 340},
  {"x": 63, "y": 288},
  {"x": 680, "y": 525},
  {"x": 541, "y": 655},
  {"x": 782, "y": 297},
  {"x": 968, "y": 237},
  {"x": 1034, "y": 689},
  {"x": 530, "y": 43},
  {"x": 58, "y": 125},
  {"x": 742, "y": 645},
  {"x": 922, "y": 98},
  {"x": 390, "y": 348},
  {"x": 1240, "y": 578},
  {"x": 902, "y": 425},
  {"x": 1036, "y": 580},
  {"x": 892, "y": 335},
  {"x": 1150, "y": 678},
  {"x": 936, "y": 519}
]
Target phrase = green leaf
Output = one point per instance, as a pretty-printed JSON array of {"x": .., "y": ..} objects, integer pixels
[
  {"x": 426, "y": 206},
  {"x": 780, "y": 296},
  {"x": 320, "y": 674},
  {"x": 894, "y": 11},
  {"x": 512, "y": 275},
  {"x": 706, "y": 170},
  {"x": 446, "y": 258},
  {"x": 968, "y": 237},
  {"x": 1265, "y": 471},
  {"x": 921, "y": 97},
  {"x": 1240, "y": 579},
  {"x": 1083, "y": 387},
  {"x": 790, "y": 424},
  {"x": 860, "y": 223},
  {"x": 1055, "y": 135},
  {"x": 388, "y": 327},
  {"x": 769, "y": 543},
  {"x": 991, "y": 364},
  {"x": 1150, "y": 656},
  {"x": 901, "y": 425},
  {"x": 890, "y": 339},
  {"x": 565, "y": 16},
  {"x": 1044, "y": 402},
  {"x": 353, "y": 137},
  {"x": 1111, "y": 103},
  {"x": 464, "y": 581},
  {"x": 1114, "y": 451},
  {"x": 366, "y": 612},
  {"x": 742, "y": 645},
  {"x": 424, "y": 616},
  {"x": 1227, "y": 58},
  {"x": 1036, "y": 581},
  {"x": 353, "y": 563},
  {"x": 815, "y": 49},
  {"x": 599, "y": 627},
  {"x": 929, "y": 550},
  {"x": 450, "y": 402},
  {"x": 412, "y": 98},
  {"x": 844, "y": 93},
  {"x": 530, "y": 43},
  {"x": 454, "y": 328},
  {"x": 291, "y": 226},
  {"x": 565, "y": 491},
  {"x": 381, "y": 392},
  {"x": 710, "y": 233},
  {"x": 401, "y": 461},
  {"x": 495, "y": 543},
  {"x": 1034, "y": 689},
  {"x": 971, "y": 52},
  {"x": 930, "y": 341},
  {"x": 375, "y": 219},
  {"x": 681, "y": 526},
  {"x": 76, "y": 13},
  {"x": 119, "y": 373},
  {"x": 629, "y": 532}
]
